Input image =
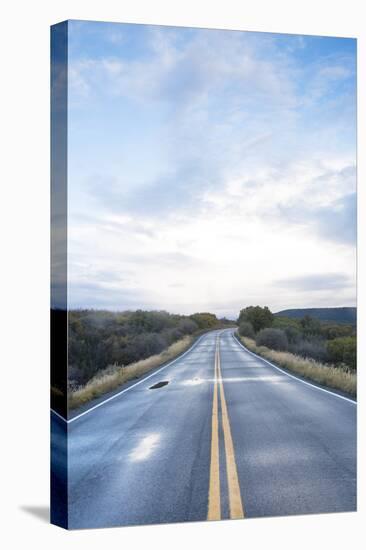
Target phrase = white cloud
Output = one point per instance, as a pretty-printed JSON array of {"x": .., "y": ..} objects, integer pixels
[
  {"x": 236, "y": 244},
  {"x": 211, "y": 186},
  {"x": 188, "y": 73}
]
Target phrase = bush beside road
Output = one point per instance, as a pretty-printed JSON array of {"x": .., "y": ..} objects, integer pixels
[{"x": 338, "y": 378}]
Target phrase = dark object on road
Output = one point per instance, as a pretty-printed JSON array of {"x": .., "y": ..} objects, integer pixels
[{"x": 159, "y": 385}]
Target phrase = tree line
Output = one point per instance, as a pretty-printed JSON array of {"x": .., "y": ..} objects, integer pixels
[
  {"x": 98, "y": 339},
  {"x": 308, "y": 337}
]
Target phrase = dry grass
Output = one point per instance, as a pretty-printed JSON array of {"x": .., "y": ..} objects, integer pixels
[
  {"x": 333, "y": 377},
  {"x": 112, "y": 377}
]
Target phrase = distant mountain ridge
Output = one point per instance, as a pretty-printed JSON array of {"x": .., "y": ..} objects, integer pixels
[{"x": 346, "y": 315}]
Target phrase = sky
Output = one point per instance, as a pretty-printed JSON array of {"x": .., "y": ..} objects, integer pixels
[{"x": 210, "y": 170}]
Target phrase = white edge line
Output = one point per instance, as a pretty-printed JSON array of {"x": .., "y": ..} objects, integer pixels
[
  {"x": 129, "y": 387},
  {"x": 58, "y": 415},
  {"x": 294, "y": 377}
]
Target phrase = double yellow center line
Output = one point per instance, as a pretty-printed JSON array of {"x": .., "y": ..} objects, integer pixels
[{"x": 214, "y": 496}]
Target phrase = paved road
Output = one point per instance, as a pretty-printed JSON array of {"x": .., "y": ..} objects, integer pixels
[{"x": 228, "y": 436}]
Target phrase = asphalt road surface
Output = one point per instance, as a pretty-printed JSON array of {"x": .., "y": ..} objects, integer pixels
[{"x": 228, "y": 436}]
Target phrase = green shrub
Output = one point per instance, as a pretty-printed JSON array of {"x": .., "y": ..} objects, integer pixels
[
  {"x": 246, "y": 329},
  {"x": 337, "y": 331},
  {"x": 99, "y": 338},
  {"x": 259, "y": 317},
  {"x": 284, "y": 322},
  {"x": 293, "y": 335},
  {"x": 343, "y": 350},
  {"x": 312, "y": 347},
  {"x": 205, "y": 320},
  {"x": 334, "y": 377},
  {"x": 273, "y": 338},
  {"x": 310, "y": 326},
  {"x": 114, "y": 376}
]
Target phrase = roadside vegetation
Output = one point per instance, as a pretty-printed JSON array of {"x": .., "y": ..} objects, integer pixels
[
  {"x": 114, "y": 376},
  {"x": 321, "y": 351},
  {"x": 107, "y": 349}
]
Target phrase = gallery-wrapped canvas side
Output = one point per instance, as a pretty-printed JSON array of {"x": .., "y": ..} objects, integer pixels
[{"x": 59, "y": 492}]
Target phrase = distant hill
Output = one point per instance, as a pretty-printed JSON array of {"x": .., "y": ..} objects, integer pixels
[{"x": 345, "y": 315}]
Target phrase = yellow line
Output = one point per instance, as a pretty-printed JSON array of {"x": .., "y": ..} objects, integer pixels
[
  {"x": 214, "y": 503},
  {"x": 236, "y": 505}
]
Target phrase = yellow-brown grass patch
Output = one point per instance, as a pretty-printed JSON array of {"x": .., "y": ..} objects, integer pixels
[{"x": 333, "y": 377}]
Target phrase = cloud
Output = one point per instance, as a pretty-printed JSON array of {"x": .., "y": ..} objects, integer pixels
[
  {"x": 83, "y": 294},
  {"x": 188, "y": 72},
  {"x": 316, "y": 282},
  {"x": 223, "y": 102},
  {"x": 336, "y": 221},
  {"x": 216, "y": 100},
  {"x": 176, "y": 190},
  {"x": 205, "y": 166}
]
